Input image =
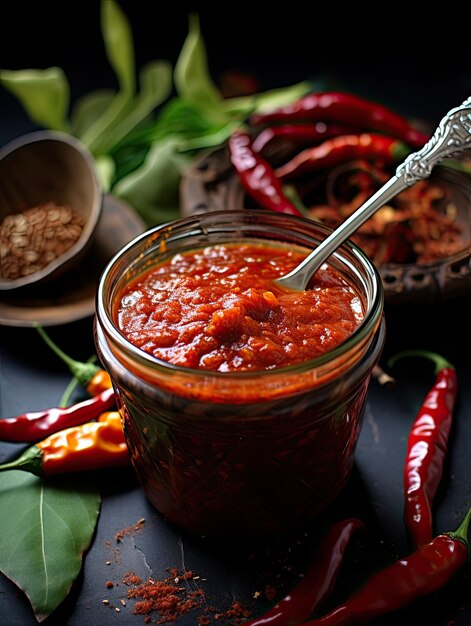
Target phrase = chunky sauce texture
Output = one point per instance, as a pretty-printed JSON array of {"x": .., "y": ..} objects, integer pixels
[{"x": 218, "y": 309}]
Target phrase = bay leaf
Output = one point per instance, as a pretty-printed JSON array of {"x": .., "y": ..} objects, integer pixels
[{"x": 45, "y": 527}]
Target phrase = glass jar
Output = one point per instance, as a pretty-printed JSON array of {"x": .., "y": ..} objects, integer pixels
[{"x": 247, "y": 452}]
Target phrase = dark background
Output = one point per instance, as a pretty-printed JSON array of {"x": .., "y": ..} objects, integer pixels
[{"x": 414, "y": 65}]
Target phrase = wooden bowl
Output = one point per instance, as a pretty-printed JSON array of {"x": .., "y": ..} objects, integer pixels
[{"x": 50, "y": 190}]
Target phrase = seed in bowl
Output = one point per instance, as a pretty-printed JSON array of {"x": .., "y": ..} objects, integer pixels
[{"x": 32, "y": 239}]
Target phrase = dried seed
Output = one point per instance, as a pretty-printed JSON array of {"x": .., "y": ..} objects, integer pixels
[{"x": 30, "y": 240}]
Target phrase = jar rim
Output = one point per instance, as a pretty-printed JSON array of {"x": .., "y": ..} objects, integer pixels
[{"x": 164, "y": 231}]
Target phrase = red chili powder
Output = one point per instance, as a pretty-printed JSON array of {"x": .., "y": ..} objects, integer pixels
[
  {"x": 167, "y": 597},
  {"x": 170, "y": 600},
  {"x": 130, "y": 530}
]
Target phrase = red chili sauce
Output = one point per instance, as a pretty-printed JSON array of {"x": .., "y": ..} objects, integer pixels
[{"x": 219, "y": 309}]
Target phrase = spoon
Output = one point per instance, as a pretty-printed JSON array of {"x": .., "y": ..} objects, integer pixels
[{"x": 452, "y": 135}]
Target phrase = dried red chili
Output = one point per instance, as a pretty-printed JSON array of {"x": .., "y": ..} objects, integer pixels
[
  {"x": 298, "y": 134},
  {"x": 343, "y": 148},
  {"x": 90, "y": 446},
  {"x": 257, "y": 176},
  {"x": 427, "y": 446},
  {"x": 412, "y": 229},
  {"x": 91, "y": 377},
  {"x": 344, "y": 108},
  {"x": 427, "y": 569},
  {"x": 34, "y": 426},
  {"x": 317, "y": 583}
]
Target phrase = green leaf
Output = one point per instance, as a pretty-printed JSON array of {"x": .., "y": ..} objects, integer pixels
[
  {"x": 156, "y": 84},
  {"x": 182, "y": 119},
  {"x": 209, "y": 139},
  {"x": 192, "y": 79},
  {"x": 44, "y": 94},
  {"x": 129, "y": 158},
  {"x": 105, "y": 169},
  {"x": 119, "y": 46},
  {"x": 119, "y": 49},
  {"x": 95, "y": 136},
  {"x": 153, "y": 189},
  {"x": 264, "y": 101},
  {"x": 45, "y": 527},
  {"x": 88, "y": 108}
]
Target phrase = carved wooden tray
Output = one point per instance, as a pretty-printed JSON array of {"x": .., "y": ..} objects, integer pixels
[{"x": 210, "y": 184}]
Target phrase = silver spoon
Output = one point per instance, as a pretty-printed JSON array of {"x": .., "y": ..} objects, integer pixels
[{"x": 452, "y": 135}]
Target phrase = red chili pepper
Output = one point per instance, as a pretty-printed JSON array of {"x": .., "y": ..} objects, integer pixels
[
  {"x": 299, "y": 134},
  {"x": 427, "y": 447},
  {"x": 344, "y": 108},
  {"x": 426, "y": 570},
  {"x": 32, "y": 427},
  {"x": 91, "y": 377},
  {"x": 317, "y": 583},
  {"x": 257, "y": 176},
  {"x": 343, "y": 148}
]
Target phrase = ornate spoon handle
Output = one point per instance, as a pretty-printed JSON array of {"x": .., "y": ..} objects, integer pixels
[{"x": 452, "y": 136}]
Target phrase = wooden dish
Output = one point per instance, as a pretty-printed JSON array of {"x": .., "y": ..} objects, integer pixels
[
  {"x": 210, "y": 184},
  {"x": 47, "y": 167},
  {"x": 72, "y": 296}
]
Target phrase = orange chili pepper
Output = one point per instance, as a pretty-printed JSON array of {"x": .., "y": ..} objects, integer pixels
[
  {"x": 99, "y": 381},
  {"x": 90, "y": 446}
]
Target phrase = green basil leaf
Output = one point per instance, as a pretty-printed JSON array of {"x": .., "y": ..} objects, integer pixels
[
  {"x": 88, "y": 108},
  {"x": 155, "y": 86},
  {"x": 119, "y": 45},
  {"x": 45, "y": 527},
  {"x": 153, "y": 188},
  {"x": 44, "y": 94},
  {"x": 266, "y": 100},
  {"x": 192, "y": 79}
]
